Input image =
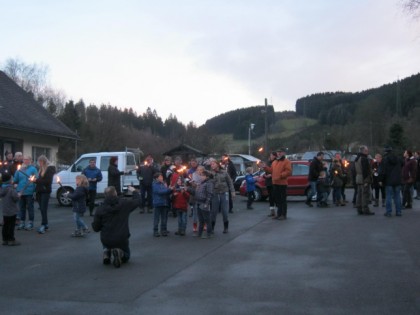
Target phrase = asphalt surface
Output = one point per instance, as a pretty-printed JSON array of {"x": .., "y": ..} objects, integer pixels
[{"x": 319, "y": 261}]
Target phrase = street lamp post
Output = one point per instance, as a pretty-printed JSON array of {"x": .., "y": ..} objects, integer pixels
[{"x": 251, "y": 127}]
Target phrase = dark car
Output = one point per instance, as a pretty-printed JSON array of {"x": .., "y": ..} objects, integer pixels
[{"x": 297, "y": 183}]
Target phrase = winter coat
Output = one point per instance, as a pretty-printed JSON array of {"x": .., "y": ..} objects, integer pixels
[
  {"x": 180, "y": 199},
  {"x": 315, "y": 168},
  {"x": 9, "y": 198},
  {"x": 160, "y": 194},
  {"x": 250, "y": 182},
  {"x": 43, "y": 183},
  {"x": 409, "y": 171},
  {"x": 204, "y": 193},
  {"x": 21, "y": 178},
  {"x": 222, "y": 183},
  {"x": 78, "y": 198},
  {"x": 391, "y": 170},
  {"x": 280, "y": 171},
  {"x": 145, "y": 174},
  {"x": 337, "y": 176},
  {"x": 363, "y": 169},
  {"x": 93, "y": 173},
  {"x": 114, "y": 177},
  {"x": 111, "y": 219}
]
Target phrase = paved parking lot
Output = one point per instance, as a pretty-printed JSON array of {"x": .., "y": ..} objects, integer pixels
[{"x": 319, "y": 261}]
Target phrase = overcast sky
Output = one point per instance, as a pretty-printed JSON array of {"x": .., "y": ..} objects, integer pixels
[{"x": 197, "y": 59}]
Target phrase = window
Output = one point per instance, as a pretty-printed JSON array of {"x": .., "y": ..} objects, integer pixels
[
  {"x": 38, "y": 151},
  {"x": 81, "y": 165},
  {"x": 300, "y": 170},
  {"x": 105, "y": 163}
]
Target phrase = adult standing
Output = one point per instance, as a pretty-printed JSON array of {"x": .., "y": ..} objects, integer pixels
[
  {"x": 93, "y": 175},
  {"x": 231, "y": 170},
  {"x": 114, "y": 174},
  {"x": 222, "y": 187},
  {"x": 315, "y": 169},
  {"x": 409, "y": 173},
  {"x": 376, "y": 185},
  {"x": 111, "y": 219},
  {"x": 26, "y": 190},
  {"x": 166, "y": 169},
  {"x": 269, "y": 185},
  {"x": 363, "y": 181},
  {"x": 280, "y": 170},
  {"x": 43, "y": 189},
  {"x": 145, "y": 174},
  {"x": 391, "y": 178},
  {"x": 417, "y": 157}
]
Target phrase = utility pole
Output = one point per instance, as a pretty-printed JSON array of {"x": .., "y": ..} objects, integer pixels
[{"x": 265, "y": 129}]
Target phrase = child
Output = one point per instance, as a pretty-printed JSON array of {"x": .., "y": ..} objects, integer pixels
[
  {"x": 160, "y": 199},
  {"x": 10, "y": 199},
  {"x": 78, "y": 198},
  {"x": 203, "y": 197},
  {"x": 250, "y": 187},
  {"x": 323, "y": 189},
  {"x": 180, "y": 199}
]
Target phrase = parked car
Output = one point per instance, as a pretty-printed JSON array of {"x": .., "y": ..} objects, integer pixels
[
  {"x": 239, "y": 179},
  {"x": 297, "y": 183}
]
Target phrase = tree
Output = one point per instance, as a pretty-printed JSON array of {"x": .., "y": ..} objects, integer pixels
[
  {"x": 396, "y": 138},
  {"x": 412, "y": 7}
]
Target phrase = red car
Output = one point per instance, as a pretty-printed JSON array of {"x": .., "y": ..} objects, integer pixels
[{"x": 297, "y": 183}]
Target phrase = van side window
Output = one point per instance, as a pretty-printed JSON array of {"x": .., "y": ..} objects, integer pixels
[
  {"x": 105, "y": 163},
  {"x": 130, "y": 161},
  {"x": 80, "y": 165}
]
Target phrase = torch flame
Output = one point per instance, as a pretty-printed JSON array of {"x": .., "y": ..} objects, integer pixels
[
  {"x": 182, "y": 169},
  {"x": 260, "y": 149},
  {"x": 19, "y": 166},
  {"x": 346, "y": 163},
  {"x": 58, "y": 180},
  {"x": 32, "y": 178}
]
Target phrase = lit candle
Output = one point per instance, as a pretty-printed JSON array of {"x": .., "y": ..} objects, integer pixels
[
  {"x": 29, "y": 182},
  {"x": 18, "y": 168}
]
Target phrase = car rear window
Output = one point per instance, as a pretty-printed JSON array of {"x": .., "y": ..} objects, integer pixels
[{"x": 300, "y": 169}]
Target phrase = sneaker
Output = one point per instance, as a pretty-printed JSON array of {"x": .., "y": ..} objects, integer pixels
[
  {"x": 387, "y": 214},
  {"x": 106, "y": 257},
  {"x": 156, "y": 234},
  {"x": 29, "y": 226},
  {"x": 21, "y": 226},
  {"x": 86, "y": 230},
  {"x": 164, "y": 233},
  {"x": 77, "y": 233},
  {"x": 117, "y": 254},
  {"x": 41, "y": 229}
]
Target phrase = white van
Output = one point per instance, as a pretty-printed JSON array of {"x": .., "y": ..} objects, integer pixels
[{"x": 126, "y": 163}]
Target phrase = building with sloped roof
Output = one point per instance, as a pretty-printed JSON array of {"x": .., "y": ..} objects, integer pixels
[{"x": 26, "y": 126}]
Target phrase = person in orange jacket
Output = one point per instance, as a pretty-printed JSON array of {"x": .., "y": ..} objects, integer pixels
[{"x": 280, "y": 170}]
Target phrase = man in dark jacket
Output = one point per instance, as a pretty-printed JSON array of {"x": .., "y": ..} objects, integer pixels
[
  {"x": 145, "y": 175},
  {"x": 315, "y": 168},
  {"x": 231, "y": 170},
  {"x": 111, "y": 219},
  {"x": 409, "y": 174},
  {"x": 391, "y": 178},
  {"x": 363, "y": 181}
]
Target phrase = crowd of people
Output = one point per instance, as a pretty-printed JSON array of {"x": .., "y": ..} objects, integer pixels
[
  {"x": 388, "y": 178},
  {"x": 200, "y": 191}
]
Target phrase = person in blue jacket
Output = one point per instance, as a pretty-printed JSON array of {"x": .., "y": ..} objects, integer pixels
[
  {"x": 250, "y": 187},
  {"x": 161, "y": 203},
  {"x": 93, "y": 175},
  {"x": 26, "y": 189}
]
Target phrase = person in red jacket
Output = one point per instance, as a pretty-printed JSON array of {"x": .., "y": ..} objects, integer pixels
[
  {"x": 180, "y": 204},
  {"x": 280, "y": 170}
]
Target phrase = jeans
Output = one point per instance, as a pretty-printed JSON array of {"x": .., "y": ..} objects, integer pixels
[
  {"x": 203, "y": 218},
  {"x": 160, "y": 214},
  {"x": 43, "y": 199},
  {"x": 251, "y": 198},
  {"x": 79, "y": 222},
  {"x": 182, "y": 220},
  {"x": 280, "y": 199},
  {"x": 26, "y": 202},
  {"x": 220, "y": 201},
  {"x": 393, "y": 193},
  {"x": 313, "y": 191},
  {"x": 146, "y": 196},
  {"x": 337, "y": 194},
  {"x": 91, "y": 200}
]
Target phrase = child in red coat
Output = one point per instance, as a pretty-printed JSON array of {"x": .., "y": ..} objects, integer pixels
[{"x": 180, "y": 199}]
